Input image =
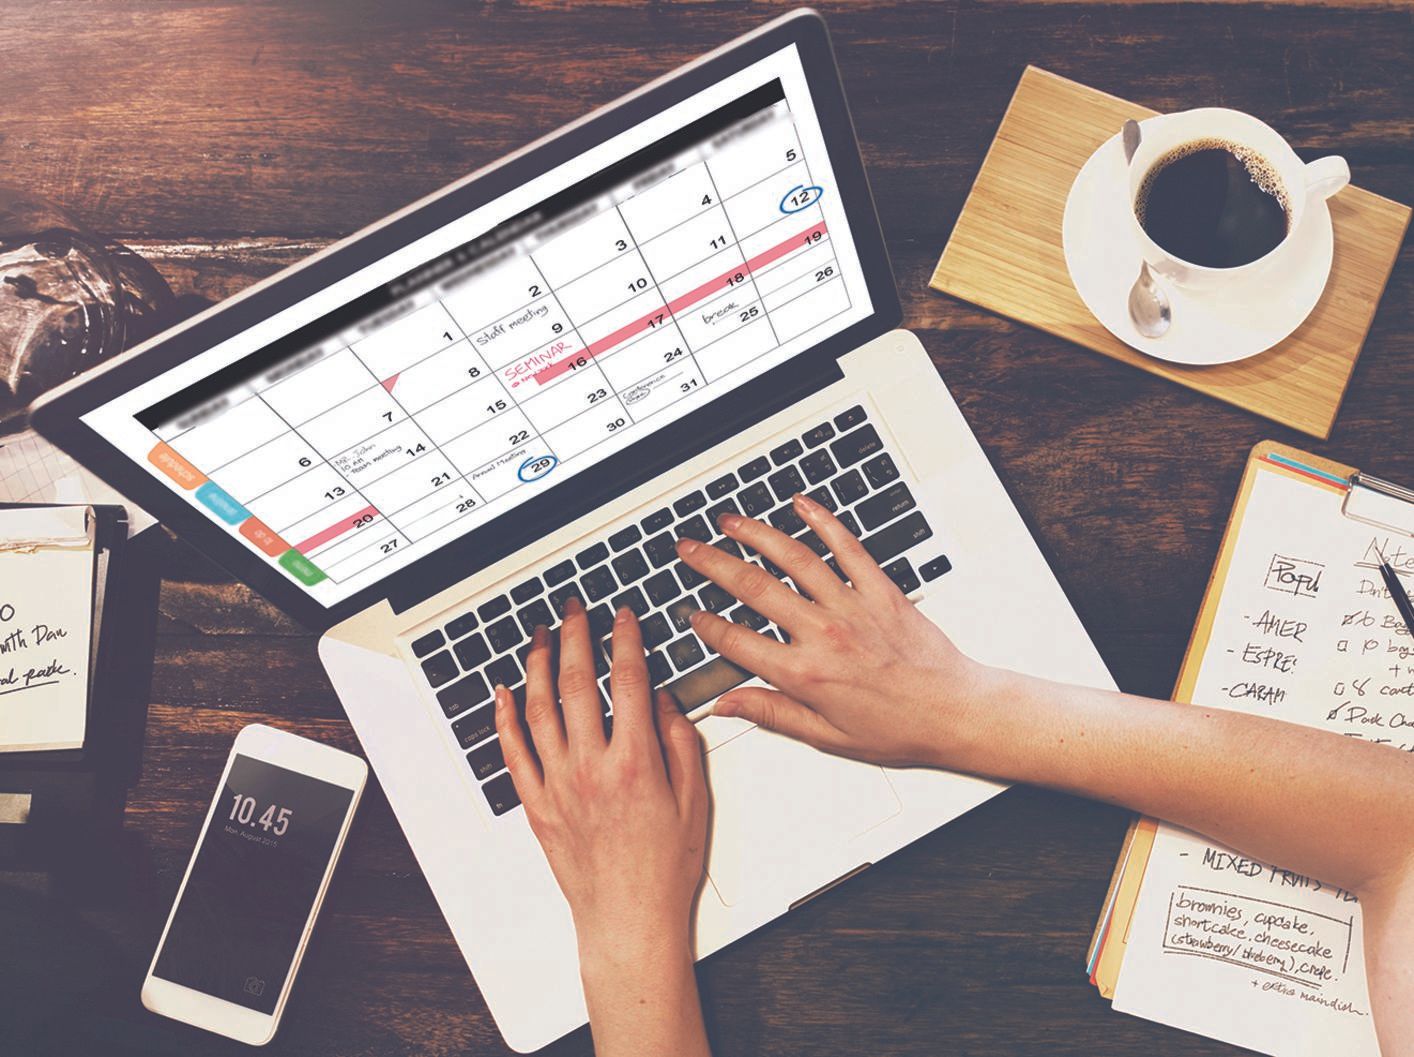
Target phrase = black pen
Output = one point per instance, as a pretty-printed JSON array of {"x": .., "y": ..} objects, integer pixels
[{"x": 1396, "y": 591}]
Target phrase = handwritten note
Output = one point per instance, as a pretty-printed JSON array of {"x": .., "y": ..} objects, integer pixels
[
  {"x": 46, "y": 609},
  {"x": 1224, "y": 945}
]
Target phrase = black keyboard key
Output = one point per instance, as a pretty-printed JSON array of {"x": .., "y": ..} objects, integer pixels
[
  {"x": 930, "y": 571},
  {"x": 824, "y": 497},
  {"x": 756, "y": 500},
  {"x": 659, "y": 519},
  {"x": 503, "y": 671},
  {"x": 662, "y": 587},
  {"x": 812, "y": 540},
  {"x": 817, "y": 467},
  {"x": 486, "y": 760},
  {"x": 462, "y": 625},
  {"x": 656, "y": 631},
  {"x": 883, "y": 507},
  {"x": 631, "y": 566},
  {"x": 425, "y": 644},
  {"x": 902, "y": 574},
  {"x": 849, "y": 487},
  {"x": 714, "y": 599},
  {"x": 560, "y": 595},
  {"x": 440, "y": 669},
  {"x": 834, "y": 567},
  {"x": 749, "y": 617},
  {"x": 787, "y": 520},
  {"x": 464, "y": 694},
  {"x": 853, "y": 447},
  {"x": 815, "y": 437},
  {"x": 689, "y": 576},
  {"x": 558, "y": 574},
  {"x": 695, "y": 528},
  {"x": 526, "y": 591},
  {"x": 848, "y": 521},
  {"x": 892, "y": 541},
  {"x": 475, "y": 727},
  {"x": 722, "y": 486},
  {"x": 601, "y": 620},
  {"x": 659, "y": 670},
  {"x": 754, "y": 469},
  {"x": 880, "y": 470},
  {"x": 472, "y": 652},
  {"x": 785, "y": 483},
  {"x": 505, "y": 635},
  {"x": 534, "y": 615},
  {"x": 707, "y": 683},
  {"x": 787, "y": 452},
  {"x": 602, "y": 656},
  {"x": 680, "y": 612},
  {"x": 488, "y": 611},
  {"x": 685, "y": 652},
  {"x": 633, "y": 599},
  {"x": 591, "y": 556},
  {"x": 625, "y": 537},
  {"x": 849, "y": 419},
  {"x": 501, "y": 794},
  {"x": 728, "y": 546},
  {"x": 598, "y": 583},
  {"x": 661, "y": 549},
  {"x": 688, "y": 503},
  {"x": 716, "y": 510}
]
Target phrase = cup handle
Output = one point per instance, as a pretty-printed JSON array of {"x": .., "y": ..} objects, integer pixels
[{"x": 1326, "y": 176}]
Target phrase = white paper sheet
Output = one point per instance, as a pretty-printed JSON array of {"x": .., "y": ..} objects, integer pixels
[
  {"x": 1305, "y": 631},
  {"x": 34, "y": 471},
  {"x": 46, "y": 610}
]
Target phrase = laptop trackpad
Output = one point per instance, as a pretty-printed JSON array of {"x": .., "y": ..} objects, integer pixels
[{"x": 783, "y": 812}]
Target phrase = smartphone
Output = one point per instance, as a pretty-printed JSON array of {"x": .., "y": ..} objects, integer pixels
[{"x": 238, "y": 928}]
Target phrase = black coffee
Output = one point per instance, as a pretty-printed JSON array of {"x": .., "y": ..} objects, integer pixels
[{"x": 1213, "y": 203}]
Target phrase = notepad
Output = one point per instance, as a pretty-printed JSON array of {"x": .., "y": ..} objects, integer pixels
[
  {"x": 46, "y": 635},
  {"x": 1297, "y": 625}
]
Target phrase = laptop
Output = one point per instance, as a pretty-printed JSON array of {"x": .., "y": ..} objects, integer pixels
[{"x": 526, "y": 386}]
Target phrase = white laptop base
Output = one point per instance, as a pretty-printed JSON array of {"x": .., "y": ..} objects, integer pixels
[{"x": 787, "y": 821}]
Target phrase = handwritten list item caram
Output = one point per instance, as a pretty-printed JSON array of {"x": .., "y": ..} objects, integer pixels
[
  {"x": 46, "y": 608},
  {"x": 1305, "y": 631}
]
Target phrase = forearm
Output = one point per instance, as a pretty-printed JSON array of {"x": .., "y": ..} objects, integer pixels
[
  {"x": 642, "y": 999},
  {"x": 1334, "y": 808}
]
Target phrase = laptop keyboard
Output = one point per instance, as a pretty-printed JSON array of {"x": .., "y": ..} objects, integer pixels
[{"x": 842, "y": 464}]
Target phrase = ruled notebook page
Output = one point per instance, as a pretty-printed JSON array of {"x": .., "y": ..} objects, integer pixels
[{"x": 1305, "y": 631}]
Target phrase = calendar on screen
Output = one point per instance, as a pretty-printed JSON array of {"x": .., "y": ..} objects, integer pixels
[{"x": 438, "y": 399}]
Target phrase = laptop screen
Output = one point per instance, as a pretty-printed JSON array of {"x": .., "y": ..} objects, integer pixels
[{"x": 434, "y": 390}]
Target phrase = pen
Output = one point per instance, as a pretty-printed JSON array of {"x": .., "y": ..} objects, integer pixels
[{"x": 1397, "y": 592}]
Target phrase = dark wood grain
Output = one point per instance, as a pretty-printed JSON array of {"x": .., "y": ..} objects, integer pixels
[{"x": 227, "y": 140}]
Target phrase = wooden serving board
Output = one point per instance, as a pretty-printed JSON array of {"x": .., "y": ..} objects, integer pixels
[{"x": 1005, "y": 255}]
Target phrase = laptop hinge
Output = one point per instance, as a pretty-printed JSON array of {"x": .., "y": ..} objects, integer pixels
[{"x": 841, "y": 879}]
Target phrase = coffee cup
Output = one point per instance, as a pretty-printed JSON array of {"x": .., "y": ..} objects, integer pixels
[{"x": 1274, "y": 167}]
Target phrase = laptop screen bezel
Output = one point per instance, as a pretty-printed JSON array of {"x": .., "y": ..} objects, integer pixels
[{"x": 59, "y": 416}]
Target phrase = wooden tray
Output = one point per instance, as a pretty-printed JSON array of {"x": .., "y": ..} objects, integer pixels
[{"x": 1005, "y": 255}]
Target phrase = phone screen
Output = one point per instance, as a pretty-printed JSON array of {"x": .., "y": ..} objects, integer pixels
[{"x": 253, "y": 884}]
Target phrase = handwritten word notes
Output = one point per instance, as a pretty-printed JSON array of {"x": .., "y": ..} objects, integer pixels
[
  {"x": 46, "y": 609},
  {"x": 1305, "y": 631}
]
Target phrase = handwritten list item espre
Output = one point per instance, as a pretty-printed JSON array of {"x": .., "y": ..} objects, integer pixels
[
  {"x": 1227, "y": 946},
  {"x": 46, "y": 609}
]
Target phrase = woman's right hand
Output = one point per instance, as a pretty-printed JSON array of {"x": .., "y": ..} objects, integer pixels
[{"x": 865, "y": 674}]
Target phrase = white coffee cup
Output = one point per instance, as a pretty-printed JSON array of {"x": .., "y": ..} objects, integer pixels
[{"x": 1301, "y": 184}]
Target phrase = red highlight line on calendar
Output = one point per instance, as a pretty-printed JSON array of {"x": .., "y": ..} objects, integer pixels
[
  {"x": 337, "y": 529},
  {"x": 655, "y": 318}
]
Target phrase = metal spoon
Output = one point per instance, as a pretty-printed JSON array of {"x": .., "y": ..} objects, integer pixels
[{"x": 1148, "y": 304}]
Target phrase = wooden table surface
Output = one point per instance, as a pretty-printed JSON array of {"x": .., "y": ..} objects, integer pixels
[{"x": 225, "y": 140}]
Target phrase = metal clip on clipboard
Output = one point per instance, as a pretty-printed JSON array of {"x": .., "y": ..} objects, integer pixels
[{"x": 1379, "y": 503}]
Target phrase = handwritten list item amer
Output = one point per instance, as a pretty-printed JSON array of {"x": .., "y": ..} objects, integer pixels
[
  {"x": 1225, "y": 945},
  {"x": 46, "y": 611}
]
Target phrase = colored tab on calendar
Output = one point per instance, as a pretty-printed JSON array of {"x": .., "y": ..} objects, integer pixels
[
  {"x": 338, "y": 528},
  {"x": 222, "y": 505},
  {"x": 165, "y": 458},
  {"x": 259, "y": 533},
  {"x": 301, "y": 568}
]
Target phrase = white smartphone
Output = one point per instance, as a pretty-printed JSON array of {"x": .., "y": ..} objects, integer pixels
[{"x": 238, "y": 928}]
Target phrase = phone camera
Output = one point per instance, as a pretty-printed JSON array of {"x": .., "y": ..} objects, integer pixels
[{"x": 254, "y": 985}]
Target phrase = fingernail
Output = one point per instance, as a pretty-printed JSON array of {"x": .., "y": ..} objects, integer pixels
[
  {"x": 501, "y": 696},
  {"x": 687, "y": 545},
  {"x": 724, "y": 707},
  {"x": 572, "y": 605},
  {"x": 541, "y": 635},
  {"x": 621, "y": 617},
  {"x": 729, "y": 522},
  {"x": 805, "y": 504},
  {"x": 697, "y": 617}
]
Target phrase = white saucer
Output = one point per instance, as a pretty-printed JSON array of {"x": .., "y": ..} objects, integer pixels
[{"x": 1246, "y": 317}]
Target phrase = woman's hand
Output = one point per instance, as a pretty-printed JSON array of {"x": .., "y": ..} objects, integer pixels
[
  {"x": 864, "y": 675},
  {"x": 622, "y": 818}
]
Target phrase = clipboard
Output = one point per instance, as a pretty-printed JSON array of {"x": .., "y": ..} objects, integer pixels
[{"x": 1364, "y": 498}]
